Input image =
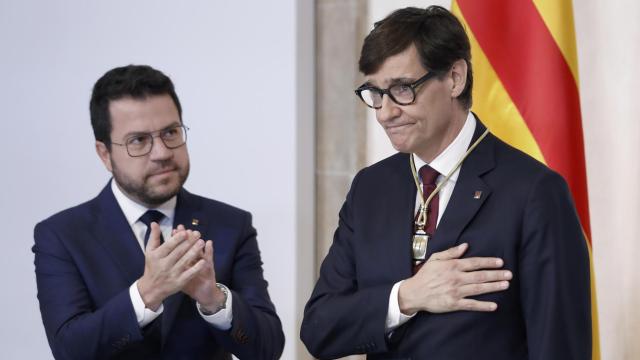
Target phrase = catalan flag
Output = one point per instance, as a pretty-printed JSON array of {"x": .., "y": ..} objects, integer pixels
[{"x": 526, "y": 89}]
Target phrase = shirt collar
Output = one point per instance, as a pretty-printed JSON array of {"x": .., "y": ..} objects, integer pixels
[
  {"x": 132, "y": 210},
  {"x": 448, "y": 159}
]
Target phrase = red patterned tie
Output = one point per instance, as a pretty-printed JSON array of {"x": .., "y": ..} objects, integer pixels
[{"x": 429, "y": 176}]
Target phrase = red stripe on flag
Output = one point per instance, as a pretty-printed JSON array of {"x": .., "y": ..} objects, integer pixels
[{"x": 534, "y": 72}]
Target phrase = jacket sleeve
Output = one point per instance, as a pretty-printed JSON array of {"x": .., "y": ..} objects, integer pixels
[
  {"x": 342, "y": 318},
  {"x": 256, "y": 331},
  {"x": 74, "y": 328},
  {"x": 554, "y": 269}
]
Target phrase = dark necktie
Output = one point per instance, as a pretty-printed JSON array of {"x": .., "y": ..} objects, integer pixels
[
  {"x": 149, "y": 217},
  {"x": 152, "y": 332},
  {"x": 429, "y": 176}
]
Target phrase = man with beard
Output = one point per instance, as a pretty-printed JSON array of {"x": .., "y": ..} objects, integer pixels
[{"x": 132, "y": 273}]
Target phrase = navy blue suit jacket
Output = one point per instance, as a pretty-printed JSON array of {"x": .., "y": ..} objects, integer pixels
[
  {"x": 87, "y": 257},
  {"x": 525, "y": 216}
]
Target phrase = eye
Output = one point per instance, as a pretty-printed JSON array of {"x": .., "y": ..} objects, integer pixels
[
  {"x": 138, "y": 139},
  {"x": 401, "y": 89},
  {"x": 170, "y": 133},
  {"x": 374, "y": 95}
]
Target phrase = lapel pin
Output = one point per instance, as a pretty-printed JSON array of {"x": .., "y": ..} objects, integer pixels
[
  {"x": 195, "y": 222},
  {"x": 477, "y": 195}
]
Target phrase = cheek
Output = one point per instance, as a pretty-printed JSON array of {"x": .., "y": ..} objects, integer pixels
[
  {"x": 183, "y": 156},
  {"x": 132, "y": 167}
]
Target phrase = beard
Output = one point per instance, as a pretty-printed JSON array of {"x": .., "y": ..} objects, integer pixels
[{"x": 151, "y": 195}]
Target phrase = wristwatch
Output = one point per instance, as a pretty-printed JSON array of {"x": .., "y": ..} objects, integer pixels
[{"x": 225, "y": 291}]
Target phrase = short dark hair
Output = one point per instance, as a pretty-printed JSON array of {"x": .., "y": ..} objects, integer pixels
[
  {"x": 136, "y": 81},
  {"x": 436, "y": 33}
]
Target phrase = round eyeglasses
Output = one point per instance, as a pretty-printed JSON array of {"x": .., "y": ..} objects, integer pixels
[
  {"x": 401, "y": 94},
  {"x": 140, "y": 144}
]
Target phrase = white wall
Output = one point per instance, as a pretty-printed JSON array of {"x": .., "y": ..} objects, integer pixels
[
  {"x": 237, "y": 68},
  {"x": 608, "y": 52}
]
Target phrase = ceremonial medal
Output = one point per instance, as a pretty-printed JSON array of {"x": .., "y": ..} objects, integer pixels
[
  {"x": 420, "y": 242},
  {"x": 420, "y": 237}
]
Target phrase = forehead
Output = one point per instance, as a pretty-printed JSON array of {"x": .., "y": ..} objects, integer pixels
[
  {"x": 404, "y": 65},
  {"x": 144, "y": 114}
]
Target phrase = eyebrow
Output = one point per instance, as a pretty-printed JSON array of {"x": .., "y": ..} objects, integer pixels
[
  {"x": 136, "y": 133},
  {"x": 393, "y": 81}
]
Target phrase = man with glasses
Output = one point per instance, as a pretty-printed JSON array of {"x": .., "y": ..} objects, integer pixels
[
  {"x": 459, "y": 246},
  {"x": 133, "y": 274}
]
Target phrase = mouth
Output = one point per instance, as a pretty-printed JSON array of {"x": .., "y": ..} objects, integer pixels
[
  {"x": 162, "y": 172},
  {"x": 391, "y": 128}
]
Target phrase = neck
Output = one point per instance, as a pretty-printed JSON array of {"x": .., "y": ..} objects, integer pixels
[{"x": 435, "y": 148}]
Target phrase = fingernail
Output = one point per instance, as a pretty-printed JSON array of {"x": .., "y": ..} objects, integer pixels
[
  {"x": 499, "y": 262},
  {"x": 493, "y": 306},
  {"x": 507, "y": 274},
  {"x": 462, "y": 245},
  {"x": 504, "y": 284}
]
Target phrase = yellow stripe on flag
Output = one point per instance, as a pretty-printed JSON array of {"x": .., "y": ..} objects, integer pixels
[
  {"x": 493, "y": 104},
  {"x": 558, "y": 16},
  {"x": 595, "y": 323}
]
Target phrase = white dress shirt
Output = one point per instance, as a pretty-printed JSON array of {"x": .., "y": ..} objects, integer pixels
[
  {"x": 132, "y": 212},
  {"x": 444, "y": 164}
]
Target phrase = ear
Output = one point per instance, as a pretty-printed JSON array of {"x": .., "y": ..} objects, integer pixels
[
  {"x": 459, "y": 77},
  {"x": 104, "y": 154}
]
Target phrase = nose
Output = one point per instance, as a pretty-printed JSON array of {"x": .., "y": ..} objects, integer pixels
[
  {"x": 388, "y": 111},
  {"x": 159, "y": 151}
]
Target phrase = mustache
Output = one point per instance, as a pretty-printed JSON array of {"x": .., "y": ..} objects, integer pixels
[{"x": 163, "y": 168}]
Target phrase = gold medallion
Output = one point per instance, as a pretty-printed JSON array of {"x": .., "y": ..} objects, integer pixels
[
  {"x": 420, "y": 238},
  {"x": 420, "y": 242}
]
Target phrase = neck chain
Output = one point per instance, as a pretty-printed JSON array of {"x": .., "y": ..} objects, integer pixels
[{"x": 420, "y": 238}]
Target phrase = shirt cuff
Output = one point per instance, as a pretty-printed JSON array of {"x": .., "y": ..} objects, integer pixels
[
  {"x": 222, "y": 319},
  {"x": 143, "y": 314},
  {"x": 395, "y": 317}
]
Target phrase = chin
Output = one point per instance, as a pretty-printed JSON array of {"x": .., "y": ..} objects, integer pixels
[
  {"x": 160, "y": 196},
  {"x": 164, "y": 189},
  {"x": 401, "y": 147},
  {"x": 167, "y": 189}
]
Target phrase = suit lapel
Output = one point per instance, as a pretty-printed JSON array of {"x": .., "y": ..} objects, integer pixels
[
  {"x": 468, "y": 196},
  {"x": 400, "y": 209},
  {"x": 188, "y": 214},
  {"x": 115, "y": 234}
]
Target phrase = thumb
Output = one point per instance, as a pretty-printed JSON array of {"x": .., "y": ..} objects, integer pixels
[
  {"x": 451, "y": 253},
  {"x": 154, "y": 237}
]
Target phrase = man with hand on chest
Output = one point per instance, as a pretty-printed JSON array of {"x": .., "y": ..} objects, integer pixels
[
  {"x": 459, "y": 246},
  {"x": 132, "y": 273}
]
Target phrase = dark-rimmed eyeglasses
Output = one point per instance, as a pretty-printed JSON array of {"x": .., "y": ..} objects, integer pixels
[
  {"x": 140, "y": 144},
  {"x": 401, "y": 94}
]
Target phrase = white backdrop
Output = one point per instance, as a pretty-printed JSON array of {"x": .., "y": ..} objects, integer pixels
[
  {"x": 238, "y": 68},
  {"x": 243, "y": 71},
  {"x": 608, "y": 37}
]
